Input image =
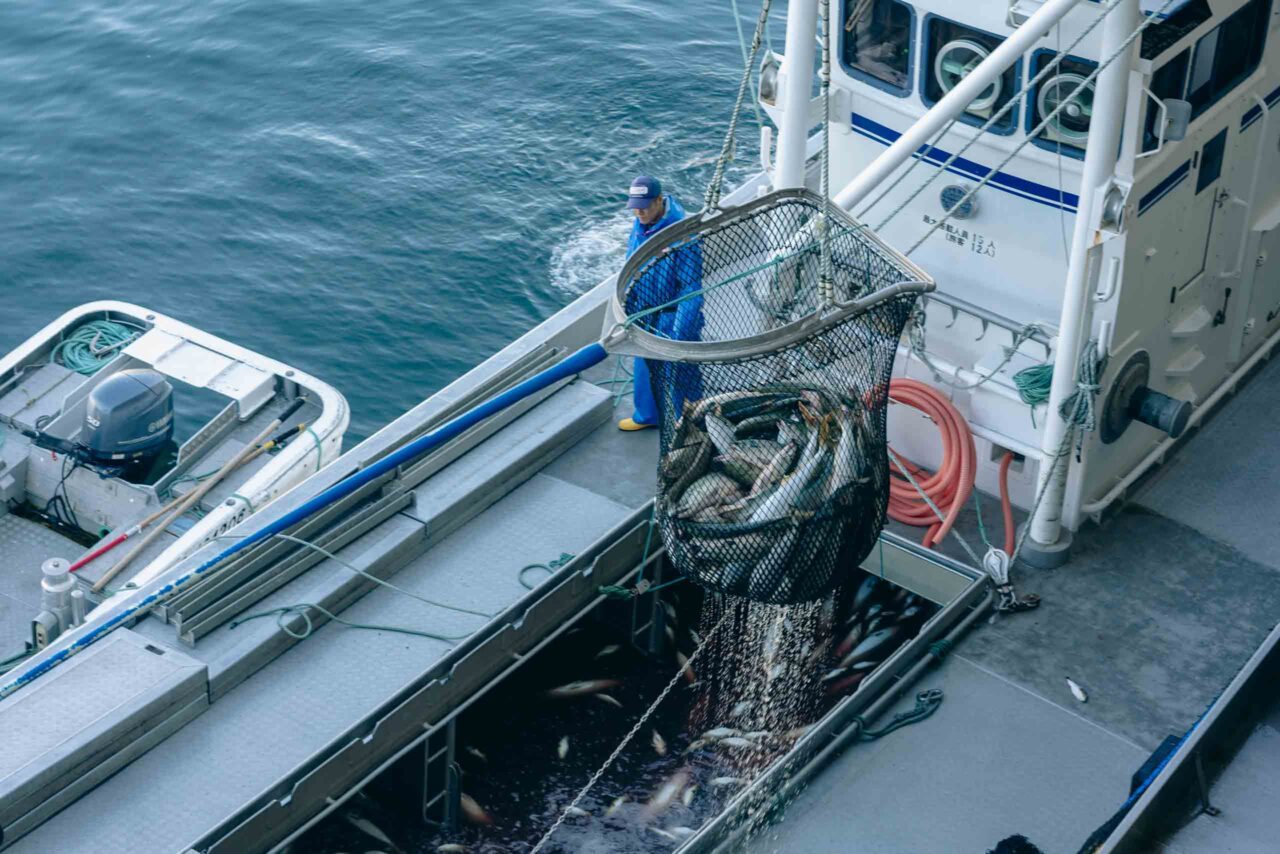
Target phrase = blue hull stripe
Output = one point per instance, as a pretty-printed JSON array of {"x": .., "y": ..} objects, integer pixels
[
  {"x": 1012, "y": 184},
  {"x": 1159, "y": 191},
  {"x": 1255, "y": 112}
]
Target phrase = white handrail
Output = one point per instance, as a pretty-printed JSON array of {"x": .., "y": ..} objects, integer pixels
[{"x": 797, "y": 74}]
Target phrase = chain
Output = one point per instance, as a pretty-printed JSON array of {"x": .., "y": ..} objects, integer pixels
[
  {"x": 712, "y": 198},
  {"x": 626, "y": 739}
]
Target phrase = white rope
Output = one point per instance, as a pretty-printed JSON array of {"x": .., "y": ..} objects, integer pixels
[
  {"x": 626, "y": 739},
  {"x": 826, "y": 277},
  {"x": 712, "y": 198},
  {"x": 998, "y": 116},
  {"x": 1062, "y": 105}
]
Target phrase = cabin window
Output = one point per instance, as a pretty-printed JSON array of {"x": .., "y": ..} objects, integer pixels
[
  {"x": 1069, "y": 129},
  {"x": 1227, "y": 55},
  {"x": 876, "y": 43},
  {"x": 954, "y": 50},
  {"x": 1169, "y": 81},
  {"x": 1211, "y": 161}
]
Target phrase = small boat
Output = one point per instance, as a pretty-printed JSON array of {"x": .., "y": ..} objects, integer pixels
[{"x": 128, "y": 440}]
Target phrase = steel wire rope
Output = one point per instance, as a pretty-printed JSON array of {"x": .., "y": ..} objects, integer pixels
[
  {"x": 1054, "y": 64},
  {"x": 1062, "y": 105}
]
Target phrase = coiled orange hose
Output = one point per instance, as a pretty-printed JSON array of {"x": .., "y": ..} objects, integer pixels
[{"x": 951, "y": 485}]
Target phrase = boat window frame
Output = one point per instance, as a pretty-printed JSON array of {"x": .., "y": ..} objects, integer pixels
[
  {"x": 1218, "y": 89},
  {"x": 866, "y": 76},
  {"x": 1014, "y": 119},
  {"x": 1033, "y": 100}
]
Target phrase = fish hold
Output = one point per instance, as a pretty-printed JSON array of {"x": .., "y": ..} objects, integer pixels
[
  {"x": 667, "y": 793},
  {"x": 472, "y": 811},
  {"x": 582, "y": 688},
  {"x": 705, "y": 492},
  {"x": 875, "y": 646}
]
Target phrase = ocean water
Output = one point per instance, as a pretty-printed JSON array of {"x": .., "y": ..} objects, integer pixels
[{"x": 381, "y": 193}]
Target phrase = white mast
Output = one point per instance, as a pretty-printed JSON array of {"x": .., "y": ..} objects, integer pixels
[{"x": 797, "y": 79}]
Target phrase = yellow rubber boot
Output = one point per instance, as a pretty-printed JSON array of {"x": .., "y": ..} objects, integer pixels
[{"x": 631, "y": 425}]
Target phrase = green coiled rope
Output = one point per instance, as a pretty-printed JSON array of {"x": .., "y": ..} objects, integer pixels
[{"x": 93, "y": 344}]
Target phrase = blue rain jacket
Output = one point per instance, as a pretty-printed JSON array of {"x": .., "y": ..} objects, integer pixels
[{"x": 677, "y": 275}]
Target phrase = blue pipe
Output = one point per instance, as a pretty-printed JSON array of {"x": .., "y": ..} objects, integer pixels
[{"x": 592, "y": 354}]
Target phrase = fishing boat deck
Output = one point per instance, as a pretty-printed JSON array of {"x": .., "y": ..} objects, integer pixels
[{"x": 1159, "y": 607}]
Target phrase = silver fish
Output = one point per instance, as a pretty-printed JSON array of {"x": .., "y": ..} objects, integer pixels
[
  {"x": 667, "y": 792},
  {"x": 474, "y": 751},
  {"x": 739, "y": 742},
  {"x": 791, "y": 433},
  {"x": 687, "y": 797},
  {"x": 721, "y": 782},
  {"x": 576, "y": 812},
  {"x": 451, "y": 848},
  {"x": 607, "y": 699},
  {"x": 370, "y": 829},
  {"x": 681, "y": 832},
  {"x": 582, "y": 688},
  {"x": 562, "y": 749},
  {"x": 779, "y": 501},
  {"x": 707, "y": 491},
  {"x": 616, "y": 805},
  {"x": 721, "y": 433},
  {"x": 875, "y": 646},
  {"x": 711, "y": 404},
  {"x": 608, "y": 650},
  {"x": 1077, "y": 691},
  {"x": 472, "y": 811},
  {"x": 844, "y": 467},
  {"x": 778, "y": 466},
  {"x": 721, "y": 732},
  {"x": 659, "y": 743},
  {"x": 744, "y": 471}
]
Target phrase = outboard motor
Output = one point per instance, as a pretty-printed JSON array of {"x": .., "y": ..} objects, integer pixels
[{"x": 128, "y": 419}]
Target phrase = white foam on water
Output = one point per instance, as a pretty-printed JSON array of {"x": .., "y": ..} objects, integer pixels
[{"x": 587, "y": 256}]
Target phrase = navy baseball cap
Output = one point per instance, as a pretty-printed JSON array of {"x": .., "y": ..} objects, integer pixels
[{"x": 644, "y": 190}]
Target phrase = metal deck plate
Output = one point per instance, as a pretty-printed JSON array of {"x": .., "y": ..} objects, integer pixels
[
  {"x": 994, "y": 760},
  {"x": 59, "y": 732}
]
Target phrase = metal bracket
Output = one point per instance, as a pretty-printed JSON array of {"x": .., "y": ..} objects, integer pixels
[{"x": 1205, "y": 806}]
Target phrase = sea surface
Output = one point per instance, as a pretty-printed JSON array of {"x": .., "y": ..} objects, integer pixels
[{"x": 381, "y": 193}]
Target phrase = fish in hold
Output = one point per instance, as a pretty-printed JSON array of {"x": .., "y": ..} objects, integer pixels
[
  {"x": 683, "y": 661},
  {"x": 875, "y": 646},
  {"x": 562, "y": 749},
  {"x": 687, "y": 797},
  {"x": 722, "y": 782},
  {"x": 606, "y": 698},
  {"x": 472, "y": 811},
  {"x": 608, "y": 650},
  {"x": 659, "y": 743},
  {"x": 371, "y": 830},
  {"x": 681, "y": 832},
  {"x": 1077, "y": 691},
  {"x": 476, "y": 752},
  {"x": 576, "y": 812},
  {"x": 667, "y": 793},
  {"x": 616, "y": 805},
  {"x": 451, "y": 848},
  {"x": 582, "y": 688}
]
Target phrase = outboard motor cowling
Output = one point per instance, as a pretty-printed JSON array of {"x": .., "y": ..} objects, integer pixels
[{"x": 128, "y": 418}]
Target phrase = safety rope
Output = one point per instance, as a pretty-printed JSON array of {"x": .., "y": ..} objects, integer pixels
[
  {"x": 712, "y": 198},
  {"x": 626, "y": 739},
  {"x": 742, "y": 46},
  {"x": 826, "y": 275},
  {"x": 1035, "y": 132},
  {"x": 927, "y": 702},
  {"x": 93, "y": 344}
]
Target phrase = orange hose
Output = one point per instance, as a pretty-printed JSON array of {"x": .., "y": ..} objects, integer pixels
[{"x": 950, "y": 486}]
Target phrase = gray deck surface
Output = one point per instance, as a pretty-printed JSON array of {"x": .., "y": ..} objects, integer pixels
[
  {"x": 26, "y": 545},
  {"x": 994, "y": 760}
]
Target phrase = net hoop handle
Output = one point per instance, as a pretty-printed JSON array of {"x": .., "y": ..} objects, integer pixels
[{"x": 621, "y": 338}]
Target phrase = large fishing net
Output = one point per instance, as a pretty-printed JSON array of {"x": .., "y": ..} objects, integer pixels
[{"x": 771, "y": 382}]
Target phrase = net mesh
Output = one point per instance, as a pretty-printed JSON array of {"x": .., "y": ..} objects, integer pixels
[{"x": 773, "y": 478}]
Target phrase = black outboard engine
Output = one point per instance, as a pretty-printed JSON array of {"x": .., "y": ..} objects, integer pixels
[{"x": 128, "y": 420}]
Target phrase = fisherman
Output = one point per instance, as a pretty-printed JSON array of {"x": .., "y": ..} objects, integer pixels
[{"x": 678, "y": 275}]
